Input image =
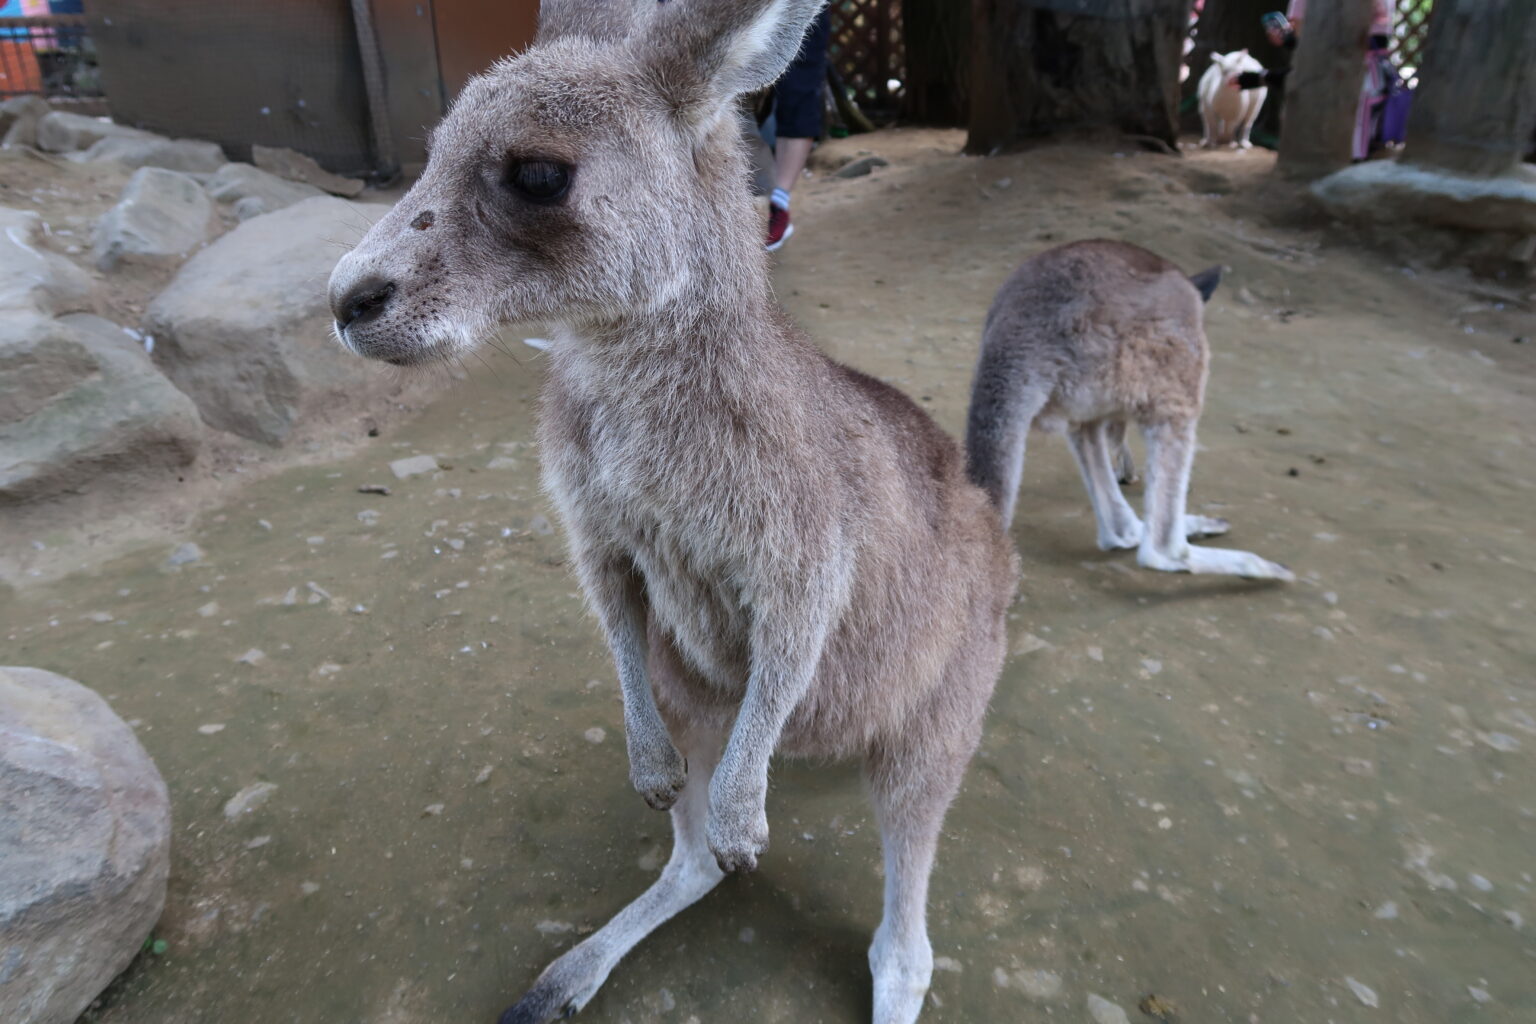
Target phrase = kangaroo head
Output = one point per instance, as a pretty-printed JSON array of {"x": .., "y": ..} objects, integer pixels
[
  {"x": 596, "y": 175},
  {"x": 1230, "y": 63}
]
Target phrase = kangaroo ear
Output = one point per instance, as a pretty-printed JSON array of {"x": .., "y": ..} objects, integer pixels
[
  {"x": 705, "y": 53},
  {"x": 605, "y": 21}
]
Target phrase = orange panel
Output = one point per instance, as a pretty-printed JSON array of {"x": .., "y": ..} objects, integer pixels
[
  {"x": 18, "y": 68},
  {"x": 474, "y": 34}
]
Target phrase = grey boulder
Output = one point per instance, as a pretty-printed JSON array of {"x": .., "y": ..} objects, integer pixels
[
  {"x": 85, "y": 836},
  {"x": 31, "y": 277},
  {"x": 1389, "y": 191},
  {"x": 190, "y": 156},
  {"x": 18, "y": 120},
  {"x": 63, "y": 132},
  {"x": 252, "y": 191},
  {"x": 162, "y": 216},
  {"x": 244, "y": 328},
  {"x": 295, "y": 166},
  {"x": 79, "y": 398}
]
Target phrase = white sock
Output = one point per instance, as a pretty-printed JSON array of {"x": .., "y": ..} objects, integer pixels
[{"x": 779, "y": 198}]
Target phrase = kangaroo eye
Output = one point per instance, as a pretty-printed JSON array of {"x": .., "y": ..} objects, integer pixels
[{"x": 539, "y": 181}]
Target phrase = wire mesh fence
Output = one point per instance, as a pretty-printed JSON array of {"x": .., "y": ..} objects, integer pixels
[
  {"x": 1412, "y": 30},
  {"x": 867, "y": 50},
  {"x": 48, "y": 55}
]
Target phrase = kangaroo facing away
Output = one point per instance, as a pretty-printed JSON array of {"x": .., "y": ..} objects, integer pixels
[
  {"x": 1084, "y": 338},
  {"x": 785, "y": 555},
  {"x": 1227, "y": 113}
]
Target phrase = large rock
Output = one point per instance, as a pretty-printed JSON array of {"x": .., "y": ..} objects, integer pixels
[
  {"x": 1387, "y": 191},
  {"x": 191, "y": 156},
  {"x": 80, "y": 398},
  {"x": 85, "y": 838},
  {"x": 245, "y": 328},
  {"x": 31, "y": 277},
  {"x": 63, "y": 132},
  {"x": 18, "y": 120},
  {"x": 162, "y": 216},
  {"x": 286, "y": 163},
  {"x": 252, "y": 191},
  {"x": 40, "y": 359}
]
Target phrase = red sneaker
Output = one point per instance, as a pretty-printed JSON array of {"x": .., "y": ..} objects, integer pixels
[{"x": 779, "y": 227}]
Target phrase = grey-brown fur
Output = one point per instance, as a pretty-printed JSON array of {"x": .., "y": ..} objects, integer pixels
[
  {"x": 1086, "y": 338},
  {"x": 784, "y": 554}
]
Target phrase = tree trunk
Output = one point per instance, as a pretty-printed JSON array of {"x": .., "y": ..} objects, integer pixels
[
  {"x": 1227, "y": 25},
  {"x": 1041, "y": 67},
  {"x": 1323, "y": 91},
  {"x": 1475, "y": 105},
  {"x": 937, "y": 35}
]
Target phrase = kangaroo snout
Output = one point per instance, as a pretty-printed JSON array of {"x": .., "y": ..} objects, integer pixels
[
  {"x": 387, "y": 298},
  {"x": 362, "y": 302}
]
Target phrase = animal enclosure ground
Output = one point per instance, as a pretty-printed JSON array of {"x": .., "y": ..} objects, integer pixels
[{"x": 1313, "y": 802}]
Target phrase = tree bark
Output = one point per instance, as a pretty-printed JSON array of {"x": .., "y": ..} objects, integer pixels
[
  {"x": 1323, "y": 90},
  {"x": 1042, "y": 67},
  {"x": 1475, "y": 106},
  {"x": 937, "y": 37}
]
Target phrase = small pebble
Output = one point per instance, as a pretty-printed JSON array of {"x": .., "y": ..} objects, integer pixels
[
  {"x": 211, "y": 728},
  {"x": 413, "y": 466},
  {"x": 249, "y": 799},
  {"x": 185, "y": 554},
  {"x": 596, "y": 734},
  {"x": 1105, "y": 1012},
  {"x": 254, "y": 656},
  {"x": 432, "y": 810},
  {"x": 1363, "y": 992}
]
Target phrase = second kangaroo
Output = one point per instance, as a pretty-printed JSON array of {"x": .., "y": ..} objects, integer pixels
[{"x": 1086, "y": 338}]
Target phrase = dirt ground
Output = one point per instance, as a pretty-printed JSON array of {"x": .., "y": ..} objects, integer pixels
[{"x": 1304, "y": 803}]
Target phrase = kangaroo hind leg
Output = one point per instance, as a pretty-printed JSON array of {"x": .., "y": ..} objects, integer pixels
[
  {"x": 567, "y": 984},
  {"x": 1119, "y": 529},
  {"x": 1165, "y": 544},
  {"x": 912, "y": 783}
]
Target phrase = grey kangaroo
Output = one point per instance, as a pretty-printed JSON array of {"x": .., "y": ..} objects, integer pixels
[
  {"x": 785, "y": 555},
  {"x": 1085, "y": 338}
]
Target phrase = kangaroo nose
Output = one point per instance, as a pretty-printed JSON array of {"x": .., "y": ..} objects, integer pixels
[{"x": 364, "y": 302}]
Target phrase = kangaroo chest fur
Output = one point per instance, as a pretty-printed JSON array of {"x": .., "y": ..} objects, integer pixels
[{"x": 660, "y": 479}]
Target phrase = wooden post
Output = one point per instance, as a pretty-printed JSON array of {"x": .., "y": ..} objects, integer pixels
[
  {"x": 1043, "y": 67},
  {"x": 937, "y": 36},
  {"x": 1323, "y": 91},
  {"x": 1475, "y": 105}
]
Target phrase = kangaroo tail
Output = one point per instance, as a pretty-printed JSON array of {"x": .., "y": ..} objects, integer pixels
[
  {"x": 1206, "y": 281},
  {"x": 1003, "y": 406}
]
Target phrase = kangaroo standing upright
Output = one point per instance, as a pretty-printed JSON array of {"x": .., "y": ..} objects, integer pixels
[
  {"x": 784, "y": 554},
  {"x": 1086, "y": 338}
]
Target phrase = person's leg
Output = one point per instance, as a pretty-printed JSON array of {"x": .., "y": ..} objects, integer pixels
[
  {"x": 797, "y": 114},
  {"x": 789, "y": 163}
]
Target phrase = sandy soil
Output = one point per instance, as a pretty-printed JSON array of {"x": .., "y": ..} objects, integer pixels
[{"x": 1255, "y": 803}]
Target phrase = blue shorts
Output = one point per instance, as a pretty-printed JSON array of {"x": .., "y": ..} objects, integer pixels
[{"x": 797, "y": 95}]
